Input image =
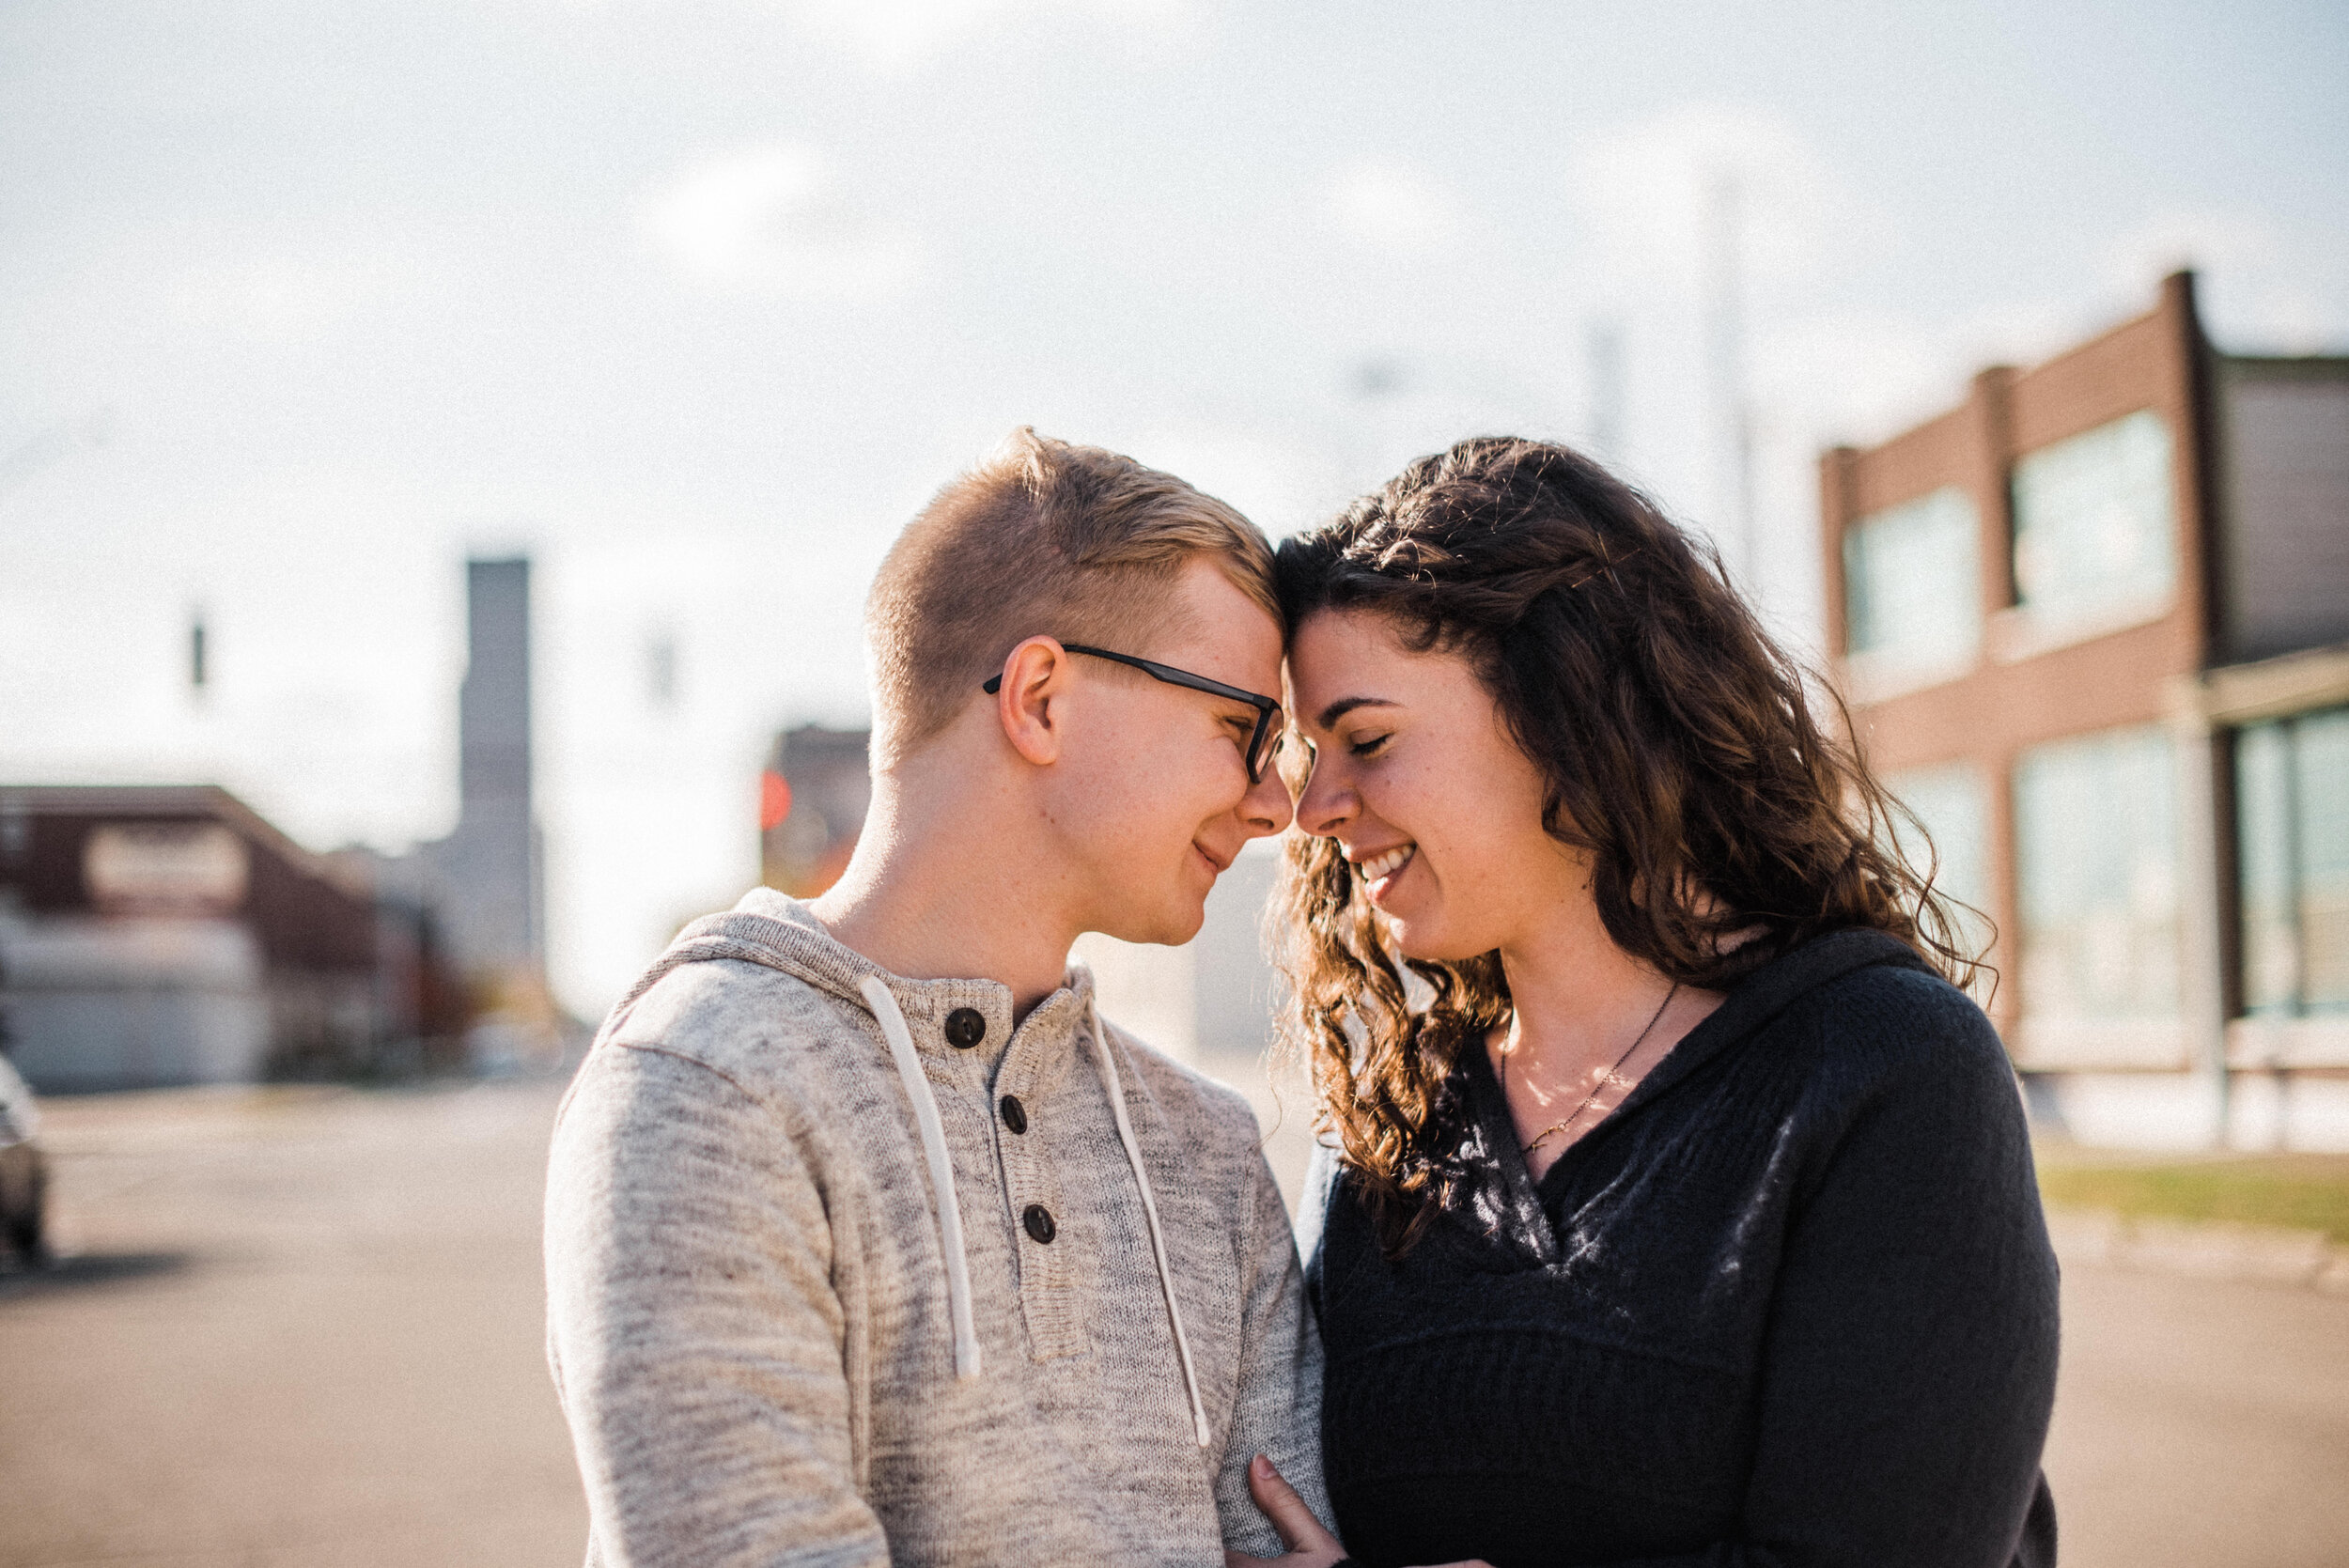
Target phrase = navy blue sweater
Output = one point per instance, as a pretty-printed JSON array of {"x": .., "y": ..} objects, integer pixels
[{"x": 1791, "y": 1305}]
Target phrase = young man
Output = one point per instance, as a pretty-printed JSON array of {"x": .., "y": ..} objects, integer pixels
[{"x": 866, "y": 1241}]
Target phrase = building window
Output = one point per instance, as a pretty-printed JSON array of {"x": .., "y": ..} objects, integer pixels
[
  {"x": 1952, "y": 803},
  {"x": 2292, "y": 824},
  {"x": 2093, "y": 536},
  {"x": 1912, "y": 590},
  {"x": 2095, "y": 849}
]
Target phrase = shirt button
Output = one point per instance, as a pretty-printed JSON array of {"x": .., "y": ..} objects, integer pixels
[
  {"x": 965, "y": 1027},
  {"x": 1014, "y": 1114},
  {"x": 1038, "y": 1222}
]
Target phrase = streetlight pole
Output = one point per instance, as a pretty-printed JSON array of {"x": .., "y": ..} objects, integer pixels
[{"x": 1733, "y": 420}]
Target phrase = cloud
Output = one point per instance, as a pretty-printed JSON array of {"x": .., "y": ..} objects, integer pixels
[
  {"x": 1395, "y": 207},
  {"x": 779, "y": 218},
  {"x": 1862, "y": 373},
  {"x": 293, "y": 290},
  {"x": 2139, "y": 257},
  {"x": 1277, "y": 481},
  {"x": 1651, "y": 188},
  {"x": 2276, "y": 288}
]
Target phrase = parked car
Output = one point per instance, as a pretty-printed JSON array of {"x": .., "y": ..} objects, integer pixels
[{"x": 24, "y": 1174}]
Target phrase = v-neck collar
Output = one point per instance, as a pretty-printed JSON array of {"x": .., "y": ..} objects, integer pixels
[
  {"x": 1501, "y": 1183},
  {"x": 1515, "y": 1208}
]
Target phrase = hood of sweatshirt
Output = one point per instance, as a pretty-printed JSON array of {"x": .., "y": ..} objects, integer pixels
[
  {"x": 1757, "y": 1000},
  {"x": 783, "y": 933}
]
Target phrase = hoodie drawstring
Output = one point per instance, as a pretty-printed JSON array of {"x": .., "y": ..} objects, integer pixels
[
  {"x": 892, "y": 1020},
  {"x": 1111, "y": 1082}
]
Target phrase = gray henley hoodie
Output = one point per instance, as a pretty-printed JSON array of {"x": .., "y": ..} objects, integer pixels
[{"x": 779, "y": 1338}]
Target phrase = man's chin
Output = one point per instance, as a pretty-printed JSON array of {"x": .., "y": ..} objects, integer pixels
[{"x": 1171, "y": 926}]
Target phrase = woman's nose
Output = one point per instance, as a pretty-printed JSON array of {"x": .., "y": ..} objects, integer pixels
[{"x": 1325, "y": 805}]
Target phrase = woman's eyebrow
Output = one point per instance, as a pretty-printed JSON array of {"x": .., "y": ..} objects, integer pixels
[{"x": 1345, "y": 706}]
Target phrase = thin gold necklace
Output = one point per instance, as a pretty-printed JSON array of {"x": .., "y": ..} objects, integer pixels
[{"x": 1605, "y": 1079}]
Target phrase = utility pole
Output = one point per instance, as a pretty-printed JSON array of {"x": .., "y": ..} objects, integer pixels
[
  {"x": 1733, "y": 419},
  {"x": 1603, "y": 346}
]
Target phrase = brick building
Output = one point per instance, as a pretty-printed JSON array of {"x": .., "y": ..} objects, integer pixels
[
  {"x": 154, "y": 936},
  {"x": 2094, "y": 628}
]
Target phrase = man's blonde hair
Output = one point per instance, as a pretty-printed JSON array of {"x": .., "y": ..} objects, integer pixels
[{"x": 1042, "y": 537}]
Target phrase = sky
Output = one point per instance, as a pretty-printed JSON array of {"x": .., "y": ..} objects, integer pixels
[{"x": 301, "y": 305}]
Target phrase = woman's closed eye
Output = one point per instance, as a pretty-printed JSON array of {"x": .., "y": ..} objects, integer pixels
[{"x": 1367, "y": 746}]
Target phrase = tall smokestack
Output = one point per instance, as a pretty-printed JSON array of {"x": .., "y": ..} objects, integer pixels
[{"x": 492, "y": 861}]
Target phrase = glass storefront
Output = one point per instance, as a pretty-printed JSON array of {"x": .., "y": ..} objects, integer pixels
[
  {"x": 2092, "y": 522},
  {"x": 1912, "y": 586},
  {"x": 2096, "y": 865},
  {"x": 1952, "y": 803},
  {"x": 2292, "y": 848}
]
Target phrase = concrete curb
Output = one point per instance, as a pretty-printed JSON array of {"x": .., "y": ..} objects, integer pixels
[{"x": 2199, "y": 1248}]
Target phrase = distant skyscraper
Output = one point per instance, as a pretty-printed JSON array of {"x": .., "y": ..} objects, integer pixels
[{"x": 489, "y": 866}]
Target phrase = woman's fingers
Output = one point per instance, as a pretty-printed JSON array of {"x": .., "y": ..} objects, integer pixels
[
  {"x": 1307, "y": 1543},
  {"x": 1292, "y": 1521}
]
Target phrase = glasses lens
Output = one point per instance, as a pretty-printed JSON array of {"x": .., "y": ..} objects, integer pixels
[
  {"x": 1265, "y": 745},
  {"x": 1295, "y": 756}
]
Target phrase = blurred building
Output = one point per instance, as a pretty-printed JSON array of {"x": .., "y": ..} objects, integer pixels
[
  {"x": 491, "y": 879},
  {"x": 2094, "y": 628},
  {"x": 154, "y": 936},
  {"x": 1208, "y": 1002},
  {"x": 812, "y": 801},
  {"x": 486, "y": 882},
  {"x": 165, "y": 935}
]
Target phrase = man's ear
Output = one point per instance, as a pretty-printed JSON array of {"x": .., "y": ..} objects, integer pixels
[{"x": 1032, "y": 702}]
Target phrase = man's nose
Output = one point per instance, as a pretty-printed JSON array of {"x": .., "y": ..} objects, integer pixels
[{"x": 1265, "y": 807}]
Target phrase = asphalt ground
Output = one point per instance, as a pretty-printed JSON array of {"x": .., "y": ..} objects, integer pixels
[{"x": 303, "y": 1326}]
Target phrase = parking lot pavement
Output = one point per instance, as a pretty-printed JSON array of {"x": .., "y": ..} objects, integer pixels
[
  {"x": 2200, "y": 1423},
  {"x": 303, "y": 1328}
]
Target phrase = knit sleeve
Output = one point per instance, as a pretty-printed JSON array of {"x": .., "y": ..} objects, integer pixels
[
  {"x": 691, "y": 1325},
  {"x": 1278, "y": 1412},
  {"x": 1909, "y": 1366}
]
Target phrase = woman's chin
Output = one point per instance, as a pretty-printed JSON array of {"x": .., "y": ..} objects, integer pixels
[{"x": 1427, "y": 941}]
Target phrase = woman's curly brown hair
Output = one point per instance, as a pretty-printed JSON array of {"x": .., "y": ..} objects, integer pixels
[{"x": 1725, "y": 824}]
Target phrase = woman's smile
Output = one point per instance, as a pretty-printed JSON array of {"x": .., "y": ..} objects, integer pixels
[{"x": 1379, "y": 871}]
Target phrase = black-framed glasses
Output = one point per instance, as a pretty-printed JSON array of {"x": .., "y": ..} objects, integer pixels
[{"x": 1260, "y": 745}]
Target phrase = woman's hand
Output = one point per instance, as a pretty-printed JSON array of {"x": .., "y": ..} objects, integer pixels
[{"x": 1309, "y": 1545}]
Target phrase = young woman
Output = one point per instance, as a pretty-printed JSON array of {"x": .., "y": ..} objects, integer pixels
[{"x": 1681, "y": 1208}]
